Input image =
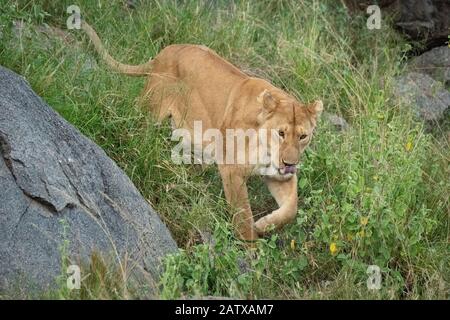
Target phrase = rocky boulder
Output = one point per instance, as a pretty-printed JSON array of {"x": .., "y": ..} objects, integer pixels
[
  {"x": 429, "y": 98},
  {"x": 435, "y": 63},
  {"x": 424, "y": 20},
  {"x": 336, "y": 122},
  {"x": 61, "y": 194}
]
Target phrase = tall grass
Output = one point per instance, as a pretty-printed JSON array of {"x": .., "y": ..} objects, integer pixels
[{"x": 376, "y": 194}]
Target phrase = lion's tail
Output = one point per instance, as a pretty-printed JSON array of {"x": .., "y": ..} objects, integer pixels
[{"x": 131, "y": 70}]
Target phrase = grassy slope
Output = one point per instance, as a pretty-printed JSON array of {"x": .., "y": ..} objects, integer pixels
[{"x": 378, "y": 192}]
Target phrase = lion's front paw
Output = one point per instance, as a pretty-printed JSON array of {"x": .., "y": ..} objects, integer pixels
[{"x": 263, "y": 225}]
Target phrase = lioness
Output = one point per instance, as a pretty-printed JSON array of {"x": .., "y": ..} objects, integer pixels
[{"x": 193, "y": 83}]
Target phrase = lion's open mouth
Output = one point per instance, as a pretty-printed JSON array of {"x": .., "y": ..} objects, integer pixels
[{"x": 288, "y": 170}]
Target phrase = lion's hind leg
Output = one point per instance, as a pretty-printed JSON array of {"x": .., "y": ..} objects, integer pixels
[{"x": 160, "y": 97}]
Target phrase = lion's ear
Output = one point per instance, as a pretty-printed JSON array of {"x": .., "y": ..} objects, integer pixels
[
  {"x": 316, "y": 108},
  {"x": 267, "y": 100}
]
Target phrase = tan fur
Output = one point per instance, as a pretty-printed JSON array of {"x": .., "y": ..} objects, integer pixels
[{"x": 191, "y": 82}]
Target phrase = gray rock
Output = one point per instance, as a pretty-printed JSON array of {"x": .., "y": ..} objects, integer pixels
[
  {"x": 338, "y": 123},
  {"x": 425, "y": 19},
  {"x": 131, "y": 4},
  {"x": 420, "y": 20},
  {"x": 57, "y": 187},
  {"x": 427, "y": 97},
  {"x": 45, "y": 33},
  {"x": 435, "y": 63},
  {"x": 51, "y": 38}
]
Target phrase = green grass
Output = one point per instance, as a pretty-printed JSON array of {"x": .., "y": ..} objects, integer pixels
[{"x": 378, "y": 192}]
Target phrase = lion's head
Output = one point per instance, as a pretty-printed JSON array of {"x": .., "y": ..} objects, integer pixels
[{"x": 291, "y": 125}]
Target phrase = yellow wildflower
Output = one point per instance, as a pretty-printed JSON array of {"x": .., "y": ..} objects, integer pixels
[
  {"x": 408, "y": 146},
  {"x": 364, "y": 220},
  {"x": 333, "y": 248},
  {"x": 293, "y": 244}
]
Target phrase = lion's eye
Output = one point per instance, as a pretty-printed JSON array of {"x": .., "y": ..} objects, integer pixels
[
  {"x": 303, "y": 136},
  {"x": 281, "y": 133}
]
